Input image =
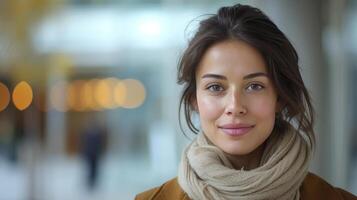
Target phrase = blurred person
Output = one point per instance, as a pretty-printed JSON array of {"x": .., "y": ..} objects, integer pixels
[
  {"x": 241, "y": 76},
  {"x": 93, "y": 142}
]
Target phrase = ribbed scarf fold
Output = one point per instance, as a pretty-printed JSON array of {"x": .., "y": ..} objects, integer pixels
[{"x": 206, "y": 173}]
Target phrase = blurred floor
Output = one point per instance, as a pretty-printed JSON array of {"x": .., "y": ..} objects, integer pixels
[{"x": 64, "y": 179}]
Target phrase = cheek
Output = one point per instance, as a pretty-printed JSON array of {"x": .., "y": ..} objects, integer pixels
[
  {"x": 263, "y": 108},
  {"x": 209, "y": 108}
]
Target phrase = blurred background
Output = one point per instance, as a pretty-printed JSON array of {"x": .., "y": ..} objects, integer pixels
[{"x": 89, "y": 100}]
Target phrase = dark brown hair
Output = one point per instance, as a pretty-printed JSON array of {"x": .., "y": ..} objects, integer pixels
[{"x": 249, "y": 24}]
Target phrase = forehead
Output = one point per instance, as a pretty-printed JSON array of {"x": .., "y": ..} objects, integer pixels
[{"x": 232, "y": 57}]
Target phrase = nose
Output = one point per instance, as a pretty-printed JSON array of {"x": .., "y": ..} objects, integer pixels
[{"x": 235, "y": 105}]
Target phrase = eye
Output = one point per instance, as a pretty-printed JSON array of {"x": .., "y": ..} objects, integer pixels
[
  {"x": 254, "y": 87},
  {"x": 215, "y": 88}
]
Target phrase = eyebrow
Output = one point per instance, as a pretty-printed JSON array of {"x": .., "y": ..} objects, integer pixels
[{"x": 249, "y": 76}]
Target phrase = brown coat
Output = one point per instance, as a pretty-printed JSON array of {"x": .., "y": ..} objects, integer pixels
[{"x": 313, "y": 188}]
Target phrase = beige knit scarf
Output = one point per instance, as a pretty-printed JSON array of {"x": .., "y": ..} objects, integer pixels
[{"x": 206, "y": 173}]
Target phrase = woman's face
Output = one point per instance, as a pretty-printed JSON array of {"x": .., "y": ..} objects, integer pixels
[{"x": 236, "y": 100}]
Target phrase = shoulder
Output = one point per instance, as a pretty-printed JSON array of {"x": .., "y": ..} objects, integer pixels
[
  {"x": 169, "y": 190},
  {"x": 315, "y": 187}
]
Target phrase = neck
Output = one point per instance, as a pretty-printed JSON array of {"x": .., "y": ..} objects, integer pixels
[{"x": 248, "y": 161}]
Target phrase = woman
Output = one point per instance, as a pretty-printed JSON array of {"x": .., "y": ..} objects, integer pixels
[{"x": 241, "y": 76}]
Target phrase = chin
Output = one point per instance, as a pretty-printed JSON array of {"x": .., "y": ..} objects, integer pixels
[{"x": 236, "y": 149}]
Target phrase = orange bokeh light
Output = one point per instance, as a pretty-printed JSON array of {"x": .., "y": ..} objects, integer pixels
[
  {"x": 103, "y": 92},
  {"x": 119, "y": 93},
  {"x": 4, "y": 97},
  {"x": 22, "y": 95},
  {"x": 75, "y": 95},
  {"x": 135, "y": 93}
]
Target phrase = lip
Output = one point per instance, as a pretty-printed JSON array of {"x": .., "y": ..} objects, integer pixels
[{"x": 236, "y": 129}]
